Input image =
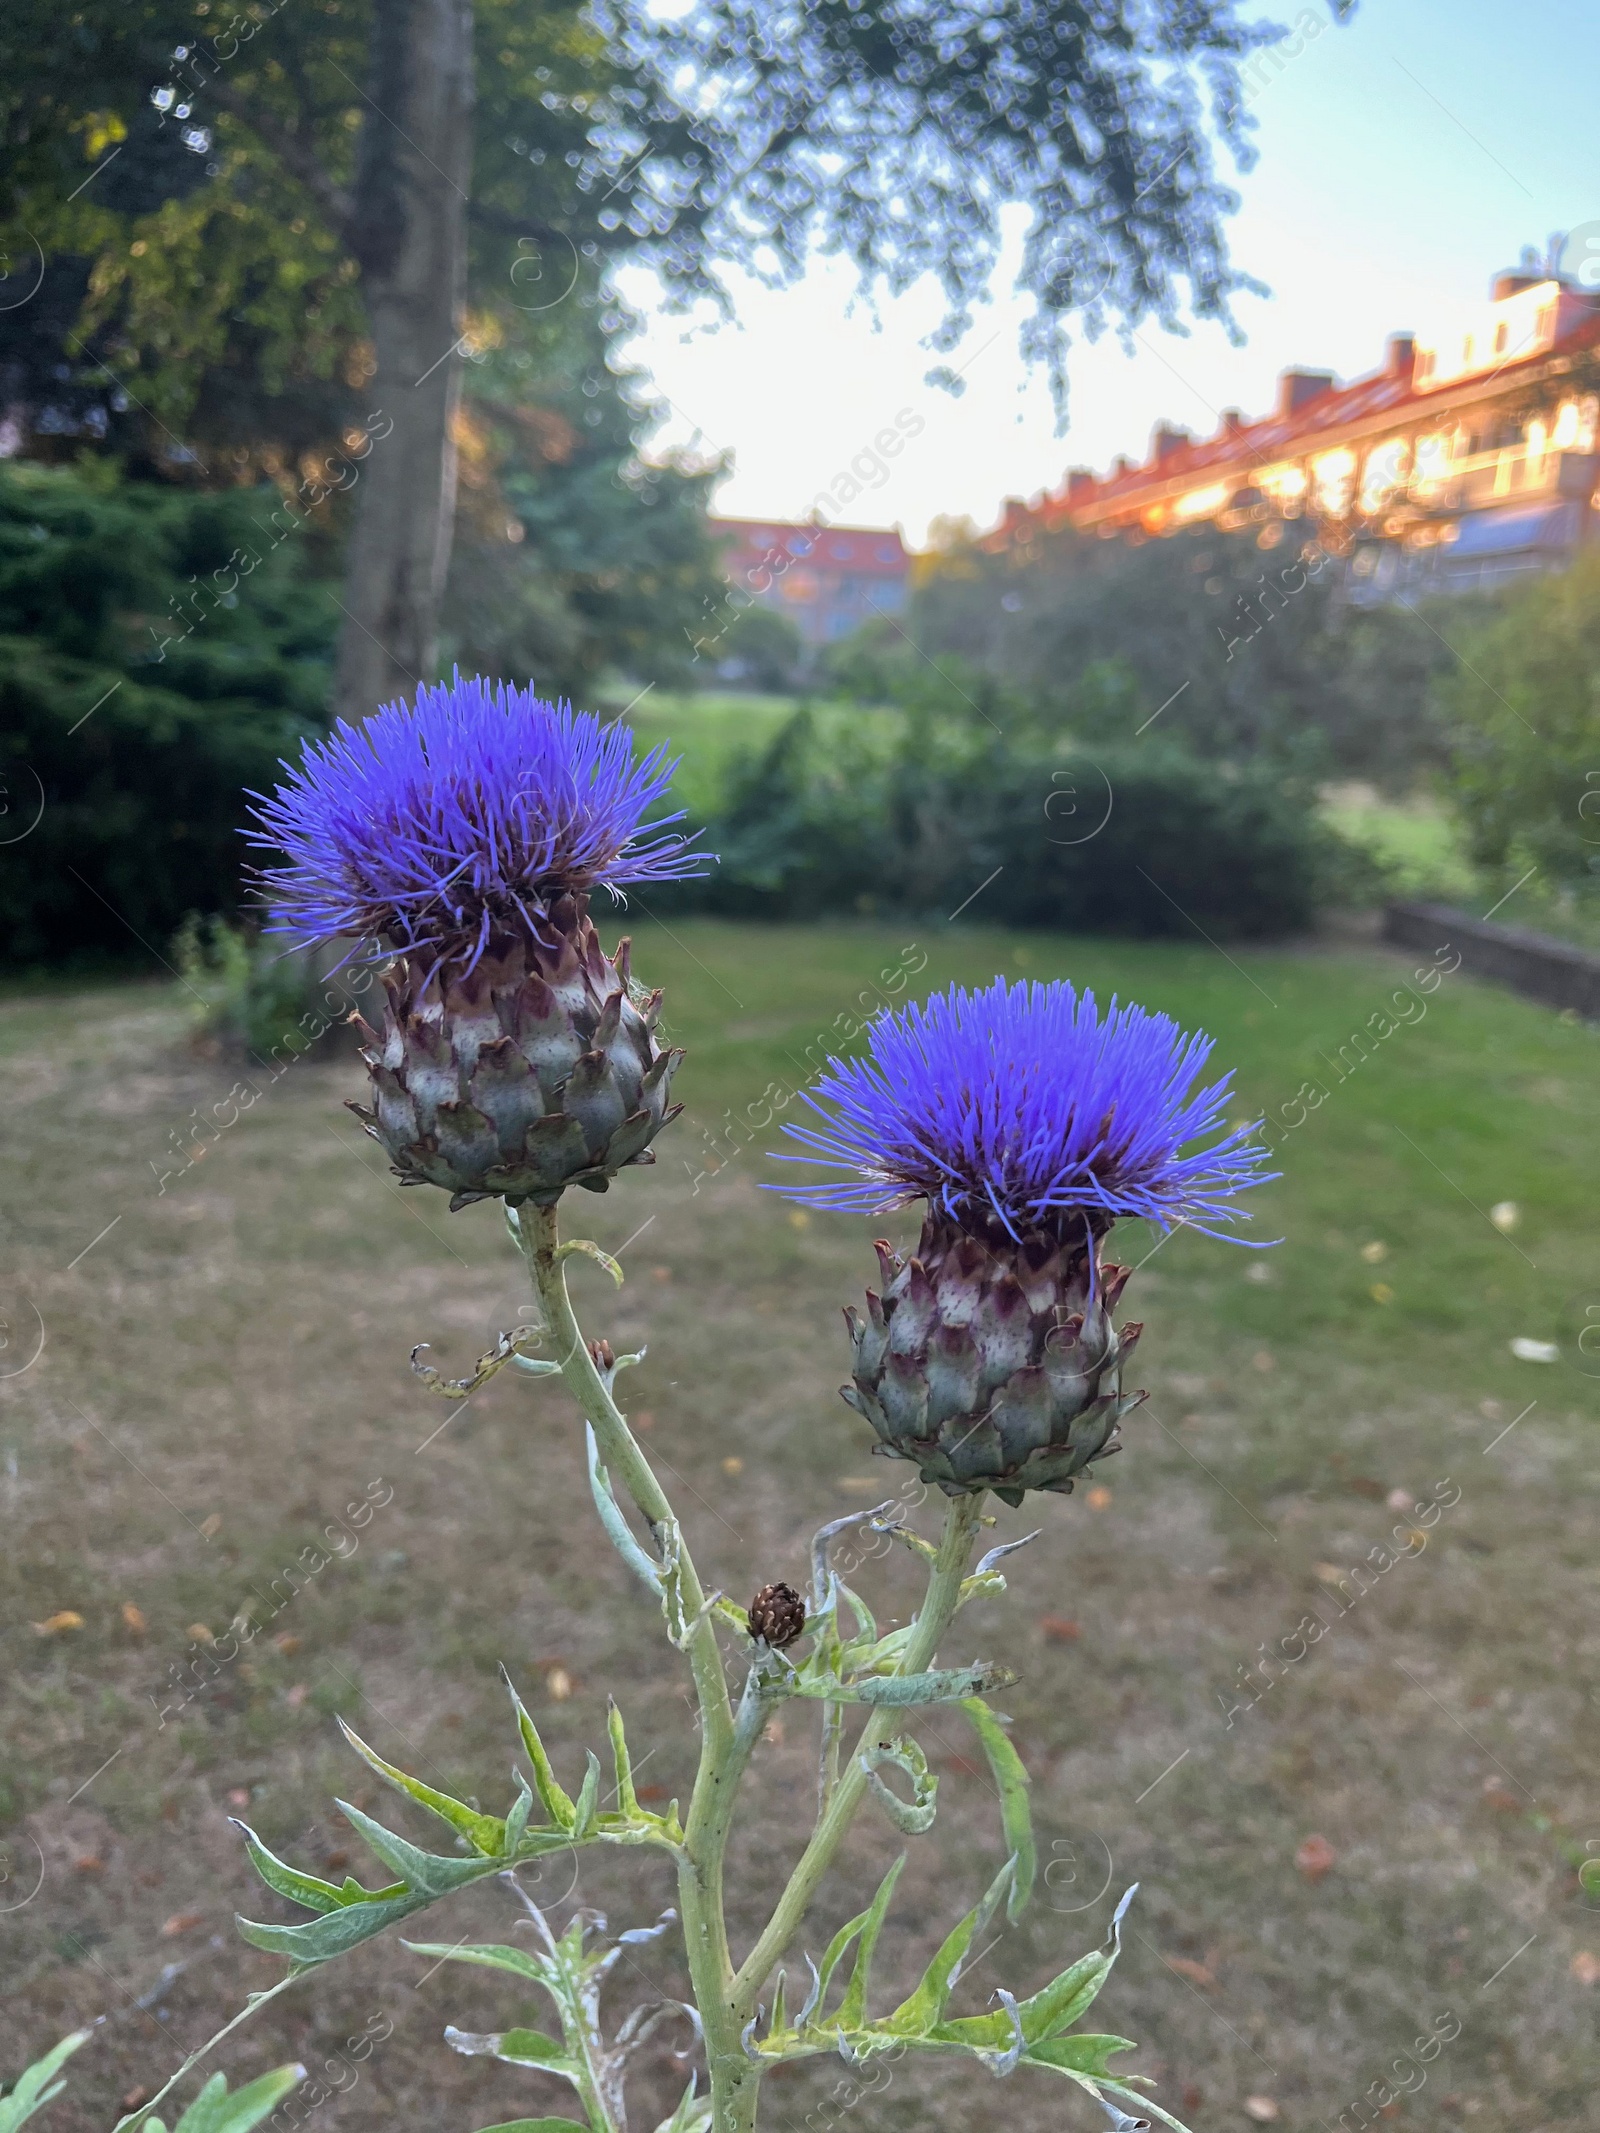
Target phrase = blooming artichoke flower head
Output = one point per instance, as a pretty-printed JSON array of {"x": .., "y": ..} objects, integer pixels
[
  {"x": 1027, "y": 1123},
  {"x": 466, "y": 831}
]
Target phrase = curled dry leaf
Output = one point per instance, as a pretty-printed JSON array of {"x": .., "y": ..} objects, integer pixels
[{"x": 1315, "y": 1858}]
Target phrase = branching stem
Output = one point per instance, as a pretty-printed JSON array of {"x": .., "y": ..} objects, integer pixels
[{"x": 726, "y": 2000}]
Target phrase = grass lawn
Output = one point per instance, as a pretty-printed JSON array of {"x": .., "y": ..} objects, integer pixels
[{"x": 224, "y": 1370}]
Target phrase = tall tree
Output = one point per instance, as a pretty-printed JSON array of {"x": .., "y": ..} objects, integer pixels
[{"x": 437, "y": 148}]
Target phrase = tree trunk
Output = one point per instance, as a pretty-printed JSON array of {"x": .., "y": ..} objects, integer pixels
[{"x": 410, "y": 237}]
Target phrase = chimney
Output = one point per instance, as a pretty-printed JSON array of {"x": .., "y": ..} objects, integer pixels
[
  {"x": 1297, "y": 387},
  {"x": 1512, "y": 283},
  {"x": 1233, "y": 423},
  {"x": 1081, "y": 485},
  {"x": 1165, "y": 440},
  {"x": 1400, "y": 356},
  {"x": 1121, "y": 467}
]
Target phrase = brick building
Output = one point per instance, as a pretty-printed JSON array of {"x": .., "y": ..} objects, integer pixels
[
  {"x": 827, "y": 579},
  {"x": 1462, "y": 462}
]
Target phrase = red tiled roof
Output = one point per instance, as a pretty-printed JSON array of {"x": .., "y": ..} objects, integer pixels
[{"x": 1386, "y": 394}]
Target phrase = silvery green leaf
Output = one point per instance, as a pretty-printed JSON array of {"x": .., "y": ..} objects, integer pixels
[
  {"x": 583, "y": 1814},
  {"x": 866, "y": 1626},
  {"x": 621, "y": 1761},
  {"x": 485, "y": 1833},
  {"x": 987, "y": 1562},
  {"x": 556, "y": 1803},
  {"x": 426, "y": 1872},
  {"x": 490, "y": 1955},
  {"x": 518, "y": 2047},
  {"x": 318, "y": 1940},
  {"x": 36, "y": 2084},
  {"x": 1016, "y": 1817},
  {"x": 1067, "y": 1998},
  {"x": 924, "y": 2010},
  {"x": 914, "y": 1816},
  {"x": 822, "y": 1594},
  {"x": 693, "y": 2114},
  {"x": 1084, "y": 2053},
  {"x": 516, "y": 1827},
  {"x": 538, "y": 2125},
  {"x": 215, "y": 2111},
  {"x": 300, "y": 1888},
  {"x": 618, "y": 1531},
  {"x": 853, "y": 2007},
  {"x": 901, "y": 1691}
]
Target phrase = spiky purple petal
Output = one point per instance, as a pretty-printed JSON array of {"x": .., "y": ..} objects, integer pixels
[
  {"x": 1020, "y": 1105},
  {"x": 437, "y": 823}
]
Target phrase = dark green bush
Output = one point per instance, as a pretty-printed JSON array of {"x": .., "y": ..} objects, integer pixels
[
  {"x": 160, "y": 651},
  {"x": 1142, "y": 839}
]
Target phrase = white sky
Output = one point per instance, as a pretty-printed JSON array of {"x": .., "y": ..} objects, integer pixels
[{"x": 1403, "y": 158}]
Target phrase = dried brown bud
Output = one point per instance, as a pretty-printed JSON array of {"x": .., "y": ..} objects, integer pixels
[
  {"x": 777, "y": 1616},
  {"x": 603, "y": 1354}
]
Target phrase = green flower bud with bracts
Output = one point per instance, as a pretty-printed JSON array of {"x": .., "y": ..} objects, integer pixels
[
  {"x": 1028, "y": 1126},
  {"x": 466, "y": 831}
]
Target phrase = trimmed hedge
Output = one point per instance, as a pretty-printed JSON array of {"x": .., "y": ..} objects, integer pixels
[{"x": 1133, "y": 840}]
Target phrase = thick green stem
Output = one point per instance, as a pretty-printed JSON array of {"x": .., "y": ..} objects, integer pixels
[
  {"x": 723, "y": 1749},
  {"x": 933, "y": 1619}
]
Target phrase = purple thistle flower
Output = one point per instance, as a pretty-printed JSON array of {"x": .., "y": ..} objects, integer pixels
[
  {"x": 1020, "y": 1106},
  {"x": 440, "y": 823}
]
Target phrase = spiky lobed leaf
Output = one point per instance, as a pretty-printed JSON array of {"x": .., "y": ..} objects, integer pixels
[{"x": 485, "y": 1833}]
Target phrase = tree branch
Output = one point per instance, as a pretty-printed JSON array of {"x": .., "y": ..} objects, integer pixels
[{"x": 295, "y": 154}]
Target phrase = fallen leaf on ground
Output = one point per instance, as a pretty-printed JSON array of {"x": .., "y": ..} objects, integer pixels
[
  {"x": 644, "y": 1420},
  {"x": 1329, "y": 1573},
  {"x": 211, "y": 1526},
  {"x": 559, "y": 1682},
  {"x": 182, "y": 1922},
  {"x": 287, "y": 1645},
  {"x": 733, "y": 1464},
  {"x": 58, "y": 1625},
  {"x": 1401, "y": 1500},
  {"x": 1381, "y": 1293},
  {"x": 1505, "y": 1215},
  {"x": 1374, "y": 1253},
  {"x": 296, "y": 1696},
  {"x": 1585, "y": 1967},
  {"x": 1527, "y": 1351},
  {"x": 133, "y": 1618},
  {"x": 859, "y": 1485},
  {"x": 135, "y": 2099},
  {"x": 1098, "y": 1498},
  {"x": 200, "y": 1633},
  {"x": 1315, "y": 1858},
  {"x": 1261, "y": 2108},
  {"x": 1496, "y": 1795},
  {"x": 1186, "y": 1966},
  {"x": 1059, "y": 1630},
  {"x": 1263, "y": 1362},
  {"x": 239, "y": 1796},
  {"x": 1364, "y": 1485},
  {"x": 88, "y": 1864},
  {"x": 650, "y": 1792}
]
